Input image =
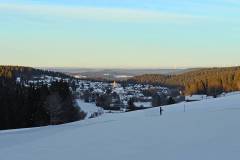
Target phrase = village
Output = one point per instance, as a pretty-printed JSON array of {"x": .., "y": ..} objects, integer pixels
[{"x": 114, "y": 96}]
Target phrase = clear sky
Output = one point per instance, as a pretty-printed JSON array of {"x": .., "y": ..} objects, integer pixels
[{"x": 120, "y": 33}]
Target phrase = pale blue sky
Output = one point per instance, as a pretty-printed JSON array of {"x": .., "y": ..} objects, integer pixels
[{"x": 120, "y": 33}]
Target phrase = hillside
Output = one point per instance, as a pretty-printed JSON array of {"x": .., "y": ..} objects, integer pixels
[
  {"x": 27, "y": 72},
  {"x": 31, "y": 98},
  {"x": 211, "y": 81},
  {"x": 208, "y": 130},
  {"x": 114, "y": 74}
]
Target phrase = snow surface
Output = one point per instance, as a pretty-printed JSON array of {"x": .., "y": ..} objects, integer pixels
[
  {"x": 143, "y": 104},
  {"x": 208, "y": 130},
  {"x": 89, "y": 108},
  {"x": 196, "y": 97}
]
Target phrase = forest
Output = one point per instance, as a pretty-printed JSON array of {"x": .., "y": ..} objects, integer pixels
[
  {"x": 27, "y": 73},
  {"x": 209, "y": 81},
  {"x": 34, "y": 106}
]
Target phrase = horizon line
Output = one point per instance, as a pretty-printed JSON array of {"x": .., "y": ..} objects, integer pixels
[{"x": 125, "y": 68}]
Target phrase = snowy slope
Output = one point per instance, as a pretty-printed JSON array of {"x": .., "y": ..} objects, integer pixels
[
  {"x": 89, "y": 108},
  {"x": 208, "y": 130}
]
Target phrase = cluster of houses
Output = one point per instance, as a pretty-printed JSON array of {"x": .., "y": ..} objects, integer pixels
[
  {"x": 116, "y": 96},
  {"x": 41, "y": 80}
]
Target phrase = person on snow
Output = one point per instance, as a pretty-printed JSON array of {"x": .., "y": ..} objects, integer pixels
[{"x": 161, "y": 111}]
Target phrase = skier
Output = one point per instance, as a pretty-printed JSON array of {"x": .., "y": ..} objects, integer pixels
[{"x": 161, "y": 110}]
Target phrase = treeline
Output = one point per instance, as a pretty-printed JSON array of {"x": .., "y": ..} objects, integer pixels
[
  {"x": 23, "y": 107},
  {"x": 210, "y": 81},
  {"x": 27, "y": 73}
]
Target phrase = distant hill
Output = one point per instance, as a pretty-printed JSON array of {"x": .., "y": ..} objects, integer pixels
[
  {"x": 27, "y": 72},
  {"x": 115, "y": 74},
  {"x": 209, "y": 81}
]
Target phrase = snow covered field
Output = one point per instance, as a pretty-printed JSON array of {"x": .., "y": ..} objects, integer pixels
[{"x": 208, "y": 130}]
